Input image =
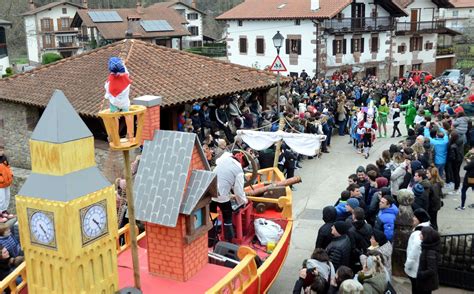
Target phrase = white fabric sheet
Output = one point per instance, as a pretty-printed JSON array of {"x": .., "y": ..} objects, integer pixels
[{"x": 305, "y": 144}]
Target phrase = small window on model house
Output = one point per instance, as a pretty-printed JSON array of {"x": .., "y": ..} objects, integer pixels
[
  {"x": 198, "y": 222},
  {"x": 243, "y": 45}
]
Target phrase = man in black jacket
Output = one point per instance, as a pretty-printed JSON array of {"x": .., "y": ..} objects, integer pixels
[
  {"x": 360, "y": 234},
  {"x": 324, "y": 233},
  {"x": 339, "y": 250}
]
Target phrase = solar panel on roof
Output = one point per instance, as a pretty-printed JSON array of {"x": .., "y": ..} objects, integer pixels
[
  {"x": 156, "y": 26},
  {"x": 105, "y": 16}
]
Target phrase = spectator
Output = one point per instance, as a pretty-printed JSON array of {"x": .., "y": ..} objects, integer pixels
[
  {"x": 386, "y": 218},
  {"x": 8, "y": 241},
  {"x": 339, "y": 250},
  {"x": 341, "y": 207},
  {"x": 427, "y": 274},
  {"x": 343, "y": 273},
  {"x": 436, "y": 192},
  {"x": 440, "y": 145},
  {"x": 324, "y": 233}
]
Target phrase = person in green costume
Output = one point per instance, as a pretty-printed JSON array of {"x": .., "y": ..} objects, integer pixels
[
  {"x": 383, "y": 111},
  {"x": 410, "y": 114}
]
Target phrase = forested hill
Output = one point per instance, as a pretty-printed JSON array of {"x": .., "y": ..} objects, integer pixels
[{"x": 11, "y": 10}]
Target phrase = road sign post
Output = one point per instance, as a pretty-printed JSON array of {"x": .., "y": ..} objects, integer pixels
[{"x": 278, "y": 65}]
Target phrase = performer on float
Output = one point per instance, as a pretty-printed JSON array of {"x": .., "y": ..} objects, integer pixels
[
  {"x": 117, "y": 91},
  {"x": 367, "y": 128}
]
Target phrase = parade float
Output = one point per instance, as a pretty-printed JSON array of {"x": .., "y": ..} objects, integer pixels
[{"x": 68, "y": 220}]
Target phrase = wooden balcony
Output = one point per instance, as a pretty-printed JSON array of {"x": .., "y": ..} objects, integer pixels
[
  {"x": 64, "y": 45},
  {"x": 362, "y": 24},
  {"x": 421, "y": 27},
  {"x": 444, "y": 50}
]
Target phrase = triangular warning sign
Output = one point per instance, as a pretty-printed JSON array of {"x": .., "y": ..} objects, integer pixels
[{"x": 278, "y": 65}]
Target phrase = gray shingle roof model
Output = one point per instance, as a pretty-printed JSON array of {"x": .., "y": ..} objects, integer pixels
[
  {"x": 198, "y": 184},
  {"x": 161, "y": 178},
  {"x": 60, "y": 123}
]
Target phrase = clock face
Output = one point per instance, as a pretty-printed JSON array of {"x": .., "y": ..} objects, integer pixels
[
  {"x": 94, "y": 222},
  {"x": 42, "y": 230}
]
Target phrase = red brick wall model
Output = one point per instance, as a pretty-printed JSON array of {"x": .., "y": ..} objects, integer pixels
[
  {"x": 152, "y": 122},
  {"x": 169, "y": 256}
]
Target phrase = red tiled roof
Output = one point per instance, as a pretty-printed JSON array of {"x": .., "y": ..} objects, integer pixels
[
  {"x": 284, "y": 9},
  {"x": 49, "y": 6},
  {"x": 116, "y": 30},
  {"x": 171, "y": 3},
  {"x": 179, "y": 77},
  {"x": 463, "y": 3}
]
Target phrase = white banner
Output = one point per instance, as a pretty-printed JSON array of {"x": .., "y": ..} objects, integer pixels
[{"x": 305, "y": 144}]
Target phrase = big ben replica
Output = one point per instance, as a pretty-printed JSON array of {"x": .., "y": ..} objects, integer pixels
[{"x": 66, "y": 209}]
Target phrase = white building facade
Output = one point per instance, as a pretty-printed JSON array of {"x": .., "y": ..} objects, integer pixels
[
  {"x": 4, "y": 60},
  {"x": 194, "y": 17},
  {"x": 459, "y": 18},
  {"x": 48, "y": 30}
]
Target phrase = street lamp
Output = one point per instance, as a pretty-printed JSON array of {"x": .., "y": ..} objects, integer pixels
[{"x": 278, "y": 43}]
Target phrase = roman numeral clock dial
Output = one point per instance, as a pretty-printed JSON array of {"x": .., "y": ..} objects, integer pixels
[{"x": 94, "y": 222}]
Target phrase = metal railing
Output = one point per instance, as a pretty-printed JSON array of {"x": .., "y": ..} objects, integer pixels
[
  {"x": 358, "y": 24},
  {"x": 421, "y": 26},
  {"x": 456, "y": 267}
]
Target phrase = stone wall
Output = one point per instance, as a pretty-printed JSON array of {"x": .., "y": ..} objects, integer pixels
[{"x": 19, "y": 177}]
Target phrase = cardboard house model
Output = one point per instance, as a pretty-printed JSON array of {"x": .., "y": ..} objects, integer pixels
[{"x": 173, "y": 189}]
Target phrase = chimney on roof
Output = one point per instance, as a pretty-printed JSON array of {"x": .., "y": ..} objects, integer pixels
[
  {"x": 314, "y": 5},
  {"x": 193, "y": 4},
  {"x": 84, "y": 4},
  {"x": 139, "y": 7},
  {"x": 31, "y": 5}
]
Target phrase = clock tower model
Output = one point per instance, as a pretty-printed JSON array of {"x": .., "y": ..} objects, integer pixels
[{"x": 66, "y": 209}]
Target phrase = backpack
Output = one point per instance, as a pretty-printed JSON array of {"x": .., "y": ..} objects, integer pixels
[{"x": 6, "y": 175}]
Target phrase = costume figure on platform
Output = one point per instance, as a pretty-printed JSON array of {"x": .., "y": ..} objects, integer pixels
[
  {"x": 117, "y": 91},
  {"x": 366, "y": 129}
]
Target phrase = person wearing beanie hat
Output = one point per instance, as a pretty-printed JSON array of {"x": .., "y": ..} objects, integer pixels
[
  {"x": 385, "y": 220},
  {"x": 339, "y": 250},
  {"x": 421, "y": 197},
  {"x": 351, "y": 204},
  {"x": 414, "y": 245}
]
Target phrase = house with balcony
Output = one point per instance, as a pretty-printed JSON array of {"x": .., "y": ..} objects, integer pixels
[
  {"x": 460, "y": 17},
  {"x": 4, "y": 60},
  {"x": 194, "y": 18},
  {"x": 48, "y": 30},
  {"x": 417, "y": 38},
  {"x": 321, "y": 36},
  {"x": 157, "y": 24}
]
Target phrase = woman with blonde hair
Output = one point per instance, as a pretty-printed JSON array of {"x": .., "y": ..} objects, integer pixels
[
  {"x": 435, "y": 196},
  {"x": 351, "y": 287}
]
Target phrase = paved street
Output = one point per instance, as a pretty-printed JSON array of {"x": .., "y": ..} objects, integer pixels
[{"x": 323, "y": 181}]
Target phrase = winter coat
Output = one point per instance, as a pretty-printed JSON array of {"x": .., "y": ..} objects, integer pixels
[
  {"x": 375, "y": 284},
  {"x": 435, "y": 198},
  {"x": 324, "y": 233},
  {"x": 440, "y": 146},
  {"x": 386, "y": 250},
  {"x": 414, "y": 251},
  {"x": 341, "y": 211},
  {"x": 396, "y": 179},
  {"x": 469, "y": 168},
  {"x": 423, "y": 201},
  {"x": 360, "y": 234},
  {"x": 12, "y": 245},
  {"x": 456, "y": 150},
  {"x": 339, "y": 251},
  {"x": 385, "y": 221},
  {"x": 461, "y": 125},
  {"x": 427, "y": 276}
]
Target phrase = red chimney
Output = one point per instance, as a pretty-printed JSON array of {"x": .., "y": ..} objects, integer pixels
[
  {"x": 152, "y": 115},
  {"x": 193, "y": 4}
]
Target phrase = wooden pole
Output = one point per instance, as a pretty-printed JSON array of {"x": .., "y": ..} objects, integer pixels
[{"x": 131, "y": 218}]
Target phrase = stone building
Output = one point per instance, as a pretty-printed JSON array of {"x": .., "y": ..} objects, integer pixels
[{"x": 178, "y": 77}]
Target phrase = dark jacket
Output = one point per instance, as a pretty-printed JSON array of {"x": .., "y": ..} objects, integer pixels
[
  {"x": 427, "y": 276},
  {"x": 435, "y": 198},
  {"x": 455, "y": 151},
  {"x": 324, "y": 233},
  {"x": 360, "y": 234},
  {"x": 6, "y": 268},
  {"x": 423, "y": 201},
  {"x": 339, "y": 251},
  {"x": 469, "y": 168}
]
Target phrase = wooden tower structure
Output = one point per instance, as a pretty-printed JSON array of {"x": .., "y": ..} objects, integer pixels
[{"x": 66, "y": 209}]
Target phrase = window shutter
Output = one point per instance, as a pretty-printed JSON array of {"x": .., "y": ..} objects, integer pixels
[
  {"x": 299, "y": 47},
  {"x": 421, "y": 43},
  {"x": 352, "y": 45},
  {"x": 59, "y": 24},
  {"x": 287, "y": 46},
  {"x": 361, "y": 45},
  {"x": 334, "y": 45},
  {"x": 51, "y": 25},
  {"x": 344, "y": 46},
  {"x": 411, "y": 44}
]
